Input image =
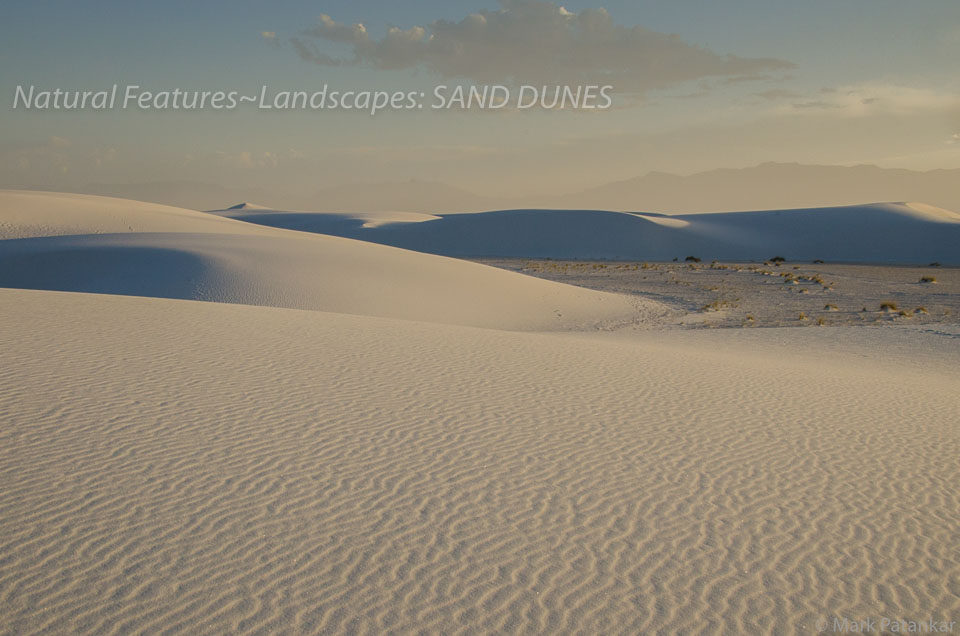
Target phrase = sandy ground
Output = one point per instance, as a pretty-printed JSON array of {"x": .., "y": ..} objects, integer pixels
[
  {"x": 759, "y": 295},
  {"x": 209, "y": 427},
  {"x": 175, "y": 466}
]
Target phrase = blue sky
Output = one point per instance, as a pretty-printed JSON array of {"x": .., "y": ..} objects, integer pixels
[{"x": 873, "y": 81}]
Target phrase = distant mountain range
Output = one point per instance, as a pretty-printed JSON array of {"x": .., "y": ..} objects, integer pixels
[{"x": 766, "y": 186}]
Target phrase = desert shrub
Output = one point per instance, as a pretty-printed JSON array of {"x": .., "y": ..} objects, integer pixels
[
  {"x": 935, "y": 264},
  {"x": 778, "y": 259},
  {"x": 830, "y": 307},
  {"x": 692, "y": 259},
  {"x": 889, "y": 306},
  {"x": 928, "y": 279}
]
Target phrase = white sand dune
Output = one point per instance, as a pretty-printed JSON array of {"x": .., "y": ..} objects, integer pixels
[
  {"x": 101, "y": 245},
  {"x": 379, "y": 464},
  {"x": 877, "y": 233},
  {"x": 174, "y": 466}
]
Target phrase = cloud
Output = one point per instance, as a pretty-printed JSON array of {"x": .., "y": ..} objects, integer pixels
[
  {"x": 530, "y": 41},
  {"x": 879, "y": 99},
  {"x": 248, "y": 159},
  {"x": 270, "y": 37},
  {"x": 46, "y": 159},
  {"x": 778, "y": 94}
]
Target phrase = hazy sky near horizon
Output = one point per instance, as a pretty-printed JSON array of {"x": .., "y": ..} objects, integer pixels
[{"x": 700, "y": 84}]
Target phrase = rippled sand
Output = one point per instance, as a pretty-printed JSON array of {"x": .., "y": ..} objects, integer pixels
[{"x": 174, "y": 466}]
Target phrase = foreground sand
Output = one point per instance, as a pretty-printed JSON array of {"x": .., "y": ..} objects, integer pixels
[{"x": 171, "y": 465}]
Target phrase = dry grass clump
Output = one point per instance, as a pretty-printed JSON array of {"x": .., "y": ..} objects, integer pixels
[
  {"x": 830, "y": 307},
  {"x": 928, "y": 279},
  {"x": 719, "y": 304},
  {"x": 889, "y": 306}
]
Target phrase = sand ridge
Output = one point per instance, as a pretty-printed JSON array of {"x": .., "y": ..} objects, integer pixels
[
  {"x": 872, "y": 233},
  {"x": 75, "y": 243}
]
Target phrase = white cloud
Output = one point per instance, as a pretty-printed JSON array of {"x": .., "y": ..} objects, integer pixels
[{"x": 531, "y": 41}]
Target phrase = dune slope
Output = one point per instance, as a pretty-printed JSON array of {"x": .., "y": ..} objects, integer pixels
[
  {"x": 83, "y": 244},
  {"x": 180, "y": 466},
  {"x": 880, "y": 233}
]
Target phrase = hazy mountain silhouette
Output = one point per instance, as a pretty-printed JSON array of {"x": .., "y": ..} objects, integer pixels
[{"x": 764, "y": 187}]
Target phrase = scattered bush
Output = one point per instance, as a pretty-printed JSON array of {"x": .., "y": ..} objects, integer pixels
[
  {"x": 821, "y": 322},
  {"x": 692, "y": 259},
  {"x": 928, "y": 279},
  {"x": 935, "y": 264},
  {"x": 817, "y": 261},
  {"x": 921, "y": 310},
  {"x": 778, "y": 259},
  {"x": 802, "y": 316},
  {"x": 889, "y": 306},
  {"x": 831, "y": 308}
]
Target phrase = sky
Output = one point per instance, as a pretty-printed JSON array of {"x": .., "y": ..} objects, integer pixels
[{"x": 698, "y": 84}]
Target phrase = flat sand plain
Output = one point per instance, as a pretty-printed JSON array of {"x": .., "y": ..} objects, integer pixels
[{"x": 768, "y": 295}]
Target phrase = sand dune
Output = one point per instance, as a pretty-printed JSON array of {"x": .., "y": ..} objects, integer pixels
[
  {"x": 379, "y": 464},
  {"x": 878, "y": 233},
  {"x": 179, "y": 466},
  {"x": 92, "y": 244}
]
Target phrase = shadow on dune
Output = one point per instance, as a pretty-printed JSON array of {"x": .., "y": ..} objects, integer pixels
[
  {"x": 76, "y": 265},
  {"x": 883, "y": 232}
]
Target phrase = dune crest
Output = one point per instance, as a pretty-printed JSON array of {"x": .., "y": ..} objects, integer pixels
[
  {"x": 873, "y": 233},
  {"x": 111, "y": 246}
]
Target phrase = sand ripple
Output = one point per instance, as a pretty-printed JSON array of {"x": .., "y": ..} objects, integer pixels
[{"x": 171, "y": 466}]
